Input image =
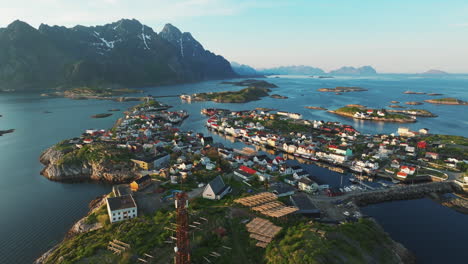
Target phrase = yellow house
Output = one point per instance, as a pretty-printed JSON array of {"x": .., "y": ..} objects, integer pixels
[
  {"x": 140, "y": 183},
  {"x": 143, "y": 164}
]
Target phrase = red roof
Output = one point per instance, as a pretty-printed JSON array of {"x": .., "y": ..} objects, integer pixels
[
  {"x": 247, "y": 169},
  {"x": 402, "y": 174}
]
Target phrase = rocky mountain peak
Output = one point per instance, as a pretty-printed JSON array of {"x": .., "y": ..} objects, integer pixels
[{"x": 19, "y": 26}]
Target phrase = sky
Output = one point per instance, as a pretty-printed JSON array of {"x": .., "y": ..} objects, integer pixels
[{"x": 395, "y": 36}]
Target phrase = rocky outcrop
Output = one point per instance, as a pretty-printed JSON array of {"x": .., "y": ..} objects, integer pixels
[
  {"x": 83, "y": 171},
  {"x": 82, "y": 226}
]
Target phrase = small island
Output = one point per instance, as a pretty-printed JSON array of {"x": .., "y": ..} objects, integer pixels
[
  {"x": 373, "y": 115},
  {"x": 394, "y": 102},
  {"x": 413, "y": 103},
  {"x": 243, "y": 96},
  {"x": 411, "y": 92},
  {"x": 447, "y": 101},
  {"x": 325, "y": 77},
  {"x": 277, "y": 96},
  {"x": 396, "y": 106},
  {"x": 101, "y": 115},
  {"x": 114, "y": 110},
  {"x": 253, "y": 83},
  {"x": 342, "y": 89},
  {"x": 316, "y": 108},
  {"x": 2, "y": 132},
  {"x": 434, "y": 94}
]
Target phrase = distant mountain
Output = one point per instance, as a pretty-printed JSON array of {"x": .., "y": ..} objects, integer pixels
[
  {"x": 244, "y": 70},
  {"x": 435, "y": 72},
  {"x": 293, "y": 70},
  {"x": 125, "y": 53},
  {"x": 364, "y": 70}
]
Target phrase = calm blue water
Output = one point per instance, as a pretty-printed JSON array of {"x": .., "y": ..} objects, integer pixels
[{"x": 38, "y": 212}]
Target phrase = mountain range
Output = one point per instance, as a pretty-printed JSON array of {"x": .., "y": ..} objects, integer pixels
[
  {"x": 244, "y": 70},
  {"x": 305, "y": 70},
  {"x": 121, "y": 54}
]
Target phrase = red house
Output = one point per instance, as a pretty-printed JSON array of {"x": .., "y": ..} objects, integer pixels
[{"x": 422, "y": 144}]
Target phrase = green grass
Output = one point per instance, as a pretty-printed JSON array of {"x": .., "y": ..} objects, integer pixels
[
  {"x": 447, "y": 139},
  {"x": 98, "y": 152},
  {"x": 349, "y": 242},
  {"x": 242, "y": 96}
]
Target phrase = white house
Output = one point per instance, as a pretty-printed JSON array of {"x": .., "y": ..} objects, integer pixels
[
  {"x": 216, "y": 189},
  {"x": 121, "y": 208},
  {"x": 307, "y": 185}
]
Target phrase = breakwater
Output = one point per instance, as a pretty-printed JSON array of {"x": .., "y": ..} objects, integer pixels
[{"x": 406, "y": 192}]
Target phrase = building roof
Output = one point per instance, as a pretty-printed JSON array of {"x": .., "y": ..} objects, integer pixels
[
  {"x": 247, "y": 169},
  {"x": 303, "y": 202},
  {"x": 217, "y": 185},
  {"x": 280, "y": 188},
  {"x": 121, "y": 202}
]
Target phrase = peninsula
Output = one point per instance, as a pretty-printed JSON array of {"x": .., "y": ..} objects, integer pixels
[
  {"x": 84, "y": 93},
  {"x": 342, "y": 89},
  {"x": 447, "y": 101}
]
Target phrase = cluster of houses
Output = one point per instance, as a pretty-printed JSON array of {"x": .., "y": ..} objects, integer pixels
[
  {"x": 314, "y": 145},
  {"x": 369, "y": 113},
  {"x": 164, "y": 151}
]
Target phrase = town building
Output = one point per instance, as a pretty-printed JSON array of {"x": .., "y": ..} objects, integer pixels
[
  {"x": 245, "y": 173},
  {"x": 216, "y": 189},
  {"x": 121, "y": 208},
  {"x": 140, "y": 183},
  {"x": 305, "y": 205}
]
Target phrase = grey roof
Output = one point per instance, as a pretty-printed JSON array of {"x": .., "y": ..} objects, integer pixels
[
  {"x": 121, "y": 202},
  {"x": 303, "y": 202},
  {"x": 121, "y": 189},
  {"x": 217, "y": 185},
  {"x": 280, "y": 188}
]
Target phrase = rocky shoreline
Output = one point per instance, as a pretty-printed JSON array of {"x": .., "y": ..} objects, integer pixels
[
  {"x": 82, "y": 171},
  {"x": 78, "y": 228}
]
